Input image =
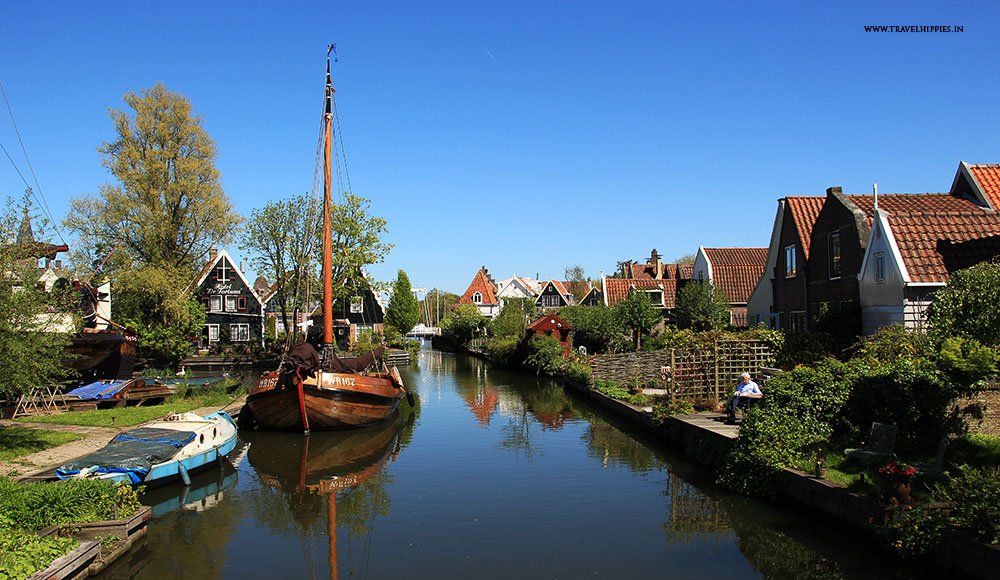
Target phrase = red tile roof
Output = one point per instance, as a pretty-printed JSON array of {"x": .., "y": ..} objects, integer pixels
[
  {"x": 548, "y": 322},
  {"x": 804, "y": 209},
  {"x": 934, "y": 244},
  {"x": 480, "y": 283},
  {"x": 618, "y": 289},
  {"x": 914, "y": 202},
  {"x": 735, "y": 271},
  {"x": 988, "y": 177},
  {"x": 671, "y": 271}
]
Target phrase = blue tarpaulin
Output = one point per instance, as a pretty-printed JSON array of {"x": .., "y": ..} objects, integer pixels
[{"x": 99, "y": 389}]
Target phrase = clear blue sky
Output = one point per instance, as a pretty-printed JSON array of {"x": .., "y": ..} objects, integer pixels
[{"x": 526, "y": 136}]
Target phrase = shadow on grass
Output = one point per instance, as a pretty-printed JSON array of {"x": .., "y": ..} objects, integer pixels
[{"x": 17, "y": 442}]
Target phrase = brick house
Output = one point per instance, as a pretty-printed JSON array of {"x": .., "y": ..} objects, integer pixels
[
  {"x": 778, "y": 299},
  {"x": 482, "y": 292},
  {"x": 733, "y": 271}
]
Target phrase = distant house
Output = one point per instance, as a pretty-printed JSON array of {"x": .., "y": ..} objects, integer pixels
[
  {"x": 553, "y": 295},
  {"x": 659, "y": 281},
  {"x": 733, "y": 271},
  {"x": 517, "y": 287},
  {"x": 778, "y": 299},
  {"x": 482, "y": 292},
  {"x": 917, "y": 241},
  {"x": 552, "y": 325},
  {"x": 354, "y": 315},
  {"x": 234, "y": 313},
  {"x": 593, "y": 297}
]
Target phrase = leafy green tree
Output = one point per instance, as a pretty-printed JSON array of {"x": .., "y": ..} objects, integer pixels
[
  {"x": 168, "y": 207},
  {"x": 464, "y": 323},
  {"x": 32, "y": 340},
  {"x": 273, "y": 241},
  {"x": 594, "y": 327},
  {"x": 404, "y": 309},
  {"x": 544, "y": 355},
  {"x": 637, "y": 316},
  {"x": 357, "y": 243},
  {"x": 165, "y": 319},
  {"x": 701, "y": 306},
  {"x": 514, "y": 318},
  {"x": 967, "y": 306}
]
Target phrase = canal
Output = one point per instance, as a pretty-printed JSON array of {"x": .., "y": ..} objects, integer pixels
[{"x": 493, "y": 475}]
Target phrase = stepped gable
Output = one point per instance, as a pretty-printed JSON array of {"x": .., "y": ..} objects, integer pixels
[
  {"x": 735, "y": 271},
  {"x": 804, "y": 210}
]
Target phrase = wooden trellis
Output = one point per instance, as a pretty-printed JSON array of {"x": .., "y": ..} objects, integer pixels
[
  {"x": 711, "y": 373},
  {"x": 39, "y": 401}
]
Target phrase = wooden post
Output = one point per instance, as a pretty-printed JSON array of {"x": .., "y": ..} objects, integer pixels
[
  {"x": 715, "y": 358},
  {"x": 673, "y": 375}
]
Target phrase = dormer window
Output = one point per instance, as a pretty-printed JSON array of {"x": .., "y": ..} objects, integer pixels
[{"x": 477, "y": 297}]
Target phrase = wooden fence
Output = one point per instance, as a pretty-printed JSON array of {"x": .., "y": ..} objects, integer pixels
[{"x": 691, "y": 374}]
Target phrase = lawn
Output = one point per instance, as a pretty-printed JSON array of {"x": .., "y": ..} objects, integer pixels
[
  {"x": 18, "y": 441},
  {"x": 126, "y": 416}
]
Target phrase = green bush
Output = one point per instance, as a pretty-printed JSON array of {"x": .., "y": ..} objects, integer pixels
[
  {"x": 913, "y": 533},
  {"x": 24, "y": 553},
  {"x": 610, "y": 389},
  {"x": 36, "y": 505},
  {"x": 502, "y": 352},
  {"x": 770, "y": 439},
  {"x": 545, "y": 355},
  {"x": 974, "y": 496},
  {"x": 578, "y": 373}
]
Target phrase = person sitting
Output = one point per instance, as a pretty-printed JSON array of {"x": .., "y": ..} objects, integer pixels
[{"x": 745, "y": 390}]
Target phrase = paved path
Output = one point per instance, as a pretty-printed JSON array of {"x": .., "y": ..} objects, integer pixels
[
  {"x": 93, "y": 439},
  {"x": 714, "y": 422}
]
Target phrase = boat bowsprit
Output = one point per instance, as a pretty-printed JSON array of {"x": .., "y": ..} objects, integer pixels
[{"x": 159, "y": 451}]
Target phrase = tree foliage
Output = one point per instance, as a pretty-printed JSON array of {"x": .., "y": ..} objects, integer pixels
[
  {"x": 464, "y": 323},
  {"x": 168, "y": 207},
  {"x": 436, "y": 305},
  {"x": 150, "y": 301},
  {"x": 32, "y": 339},
  {"x": 967, "y": 306},
  {"x": 544, "y": 355},
  {"x": 357, "y": 243},
  {"x": 404, "y": 309},
  {"x": 576, "y": 281},
  {"x": 701, "y": 306},
  {"x": 273, "y": 241},
  {"x": 637, "y": 316},
  {"x": 514, "y": 318},
  {"x": 594, "y": 327}
]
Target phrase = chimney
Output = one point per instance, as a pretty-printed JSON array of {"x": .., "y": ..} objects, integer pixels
[
  {"x": 835, "y": 189},
  {"x": 243, "y": 267},
  {"x": 58, "y": 264},
  {"x": 657, "y": 265},
  {"x": 212, "y": 252}
]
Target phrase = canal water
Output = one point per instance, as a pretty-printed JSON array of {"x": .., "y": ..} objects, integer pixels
[{"x": 493, "y": 475}]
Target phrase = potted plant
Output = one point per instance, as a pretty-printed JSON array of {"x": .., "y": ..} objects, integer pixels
[
  {"x": 821, "y": 469},
  {"x": 897, "y": 479}
]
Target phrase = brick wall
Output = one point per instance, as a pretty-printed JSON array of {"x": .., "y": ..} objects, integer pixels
[{"x": 981, "y": 411}]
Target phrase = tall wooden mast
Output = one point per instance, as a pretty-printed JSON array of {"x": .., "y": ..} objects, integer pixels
[{"x": 328, "y": 346}]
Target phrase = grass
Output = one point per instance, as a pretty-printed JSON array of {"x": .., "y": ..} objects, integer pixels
[{"x": 17, "y": 442}]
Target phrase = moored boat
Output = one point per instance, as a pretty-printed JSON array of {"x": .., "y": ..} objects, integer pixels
[
  {"x": 312, "y": 392},
  {"x": 159, "y": 451}
]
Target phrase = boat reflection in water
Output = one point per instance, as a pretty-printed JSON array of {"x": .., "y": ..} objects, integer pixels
[
  {"x": 205, "y": 492},
  {"x": 310, "y": 469}
]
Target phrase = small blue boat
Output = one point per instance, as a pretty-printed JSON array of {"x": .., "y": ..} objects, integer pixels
[{"x": 160, "y": 451}]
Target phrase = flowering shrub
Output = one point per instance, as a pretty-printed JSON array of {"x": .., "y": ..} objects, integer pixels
[
  {"x": 913, "y": 532},
  {"x": 897, "y": 472}
]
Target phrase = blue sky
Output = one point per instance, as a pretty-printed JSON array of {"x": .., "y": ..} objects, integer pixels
[{"x": 526, "y": 136}]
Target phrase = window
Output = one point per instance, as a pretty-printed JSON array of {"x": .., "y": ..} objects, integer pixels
[
  {"x": 223, "y": 273},
  {"x": 241, "y": 303},
  {"x": 790, "y": 261},
  {"x": 357, "y": 305},
  {"x": 833, "y": 248},
  {"x": 230, "y": 304},
  {"x": 213, "y": 332},
  {"x": 239, "y": 332},
  {"x": 880, "y": 267},
  {"x": 550, "y": 301},
  {"x": 797, "y": 321},
  {"x": 656, "y": 298},
  {"x": 701, "y": 275},
  {"x": 215, "y": 305},
  {"x": 477, "y": 298}
]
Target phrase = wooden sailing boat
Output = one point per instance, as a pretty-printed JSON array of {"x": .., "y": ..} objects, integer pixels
[{"x": 328, "y": 393}]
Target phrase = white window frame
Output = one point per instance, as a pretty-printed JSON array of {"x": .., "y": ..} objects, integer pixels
[
  {"x": 215, "y": 303},
  {"x": 477, "y": 298},
  {"x": 790, "y": 267},
  {"x": 239, "y": 332},
  {"x": 357, "y": 305},
  {"x": 213, "y": 333},
  {"x": 230, "y": 303}
]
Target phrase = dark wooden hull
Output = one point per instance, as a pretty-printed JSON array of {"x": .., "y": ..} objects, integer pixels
[{"x": 329, "y": 400}]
